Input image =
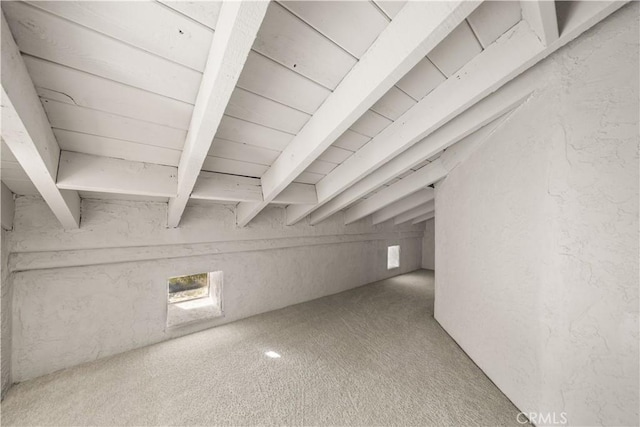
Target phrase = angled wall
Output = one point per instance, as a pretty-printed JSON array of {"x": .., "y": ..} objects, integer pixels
[
  {"x": 537, "y": 252},
  {"x": 429, "y": 245}
]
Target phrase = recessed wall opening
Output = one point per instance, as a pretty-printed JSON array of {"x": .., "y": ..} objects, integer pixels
[
  {"x": 393, "y": 257},
  {"x": 194, "y": 297},
  {"x": 186, "y": 288}
]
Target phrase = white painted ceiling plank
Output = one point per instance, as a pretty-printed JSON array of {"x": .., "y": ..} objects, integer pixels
[
  {"x": 416, "y": 30},
  {"x": 337, "y": 19},
  {"x": 287, "y": 39},
  {"x": 421, "y": 80},
  {"x": 116, "y": 148},
  {"x": 27, "y": 133},
  {"x": 393, "y": 104},
  {"x": 64, "y": 84},
  {"x": 244, "y": 152},
  {"x": 414, "y": 213},
  {"x": 424, "y": 217},
  {"x": 403, "y": 205},
  {"x": 321, "y": 167},
  {"x": 254, "y": 108},
  {"x": 41, "y": 34},
  {"x": 391, "y": 7},
  {"x": 272, "y": 80},
  {"x": 541, "y": 16},
  {"x": 79, "y": 119},
  {"x": 455, "y": 50},
  {"x": 204, "y": 12},
  {"x": 370, "y": 124},
  {"x": 216, "y": 186},
  {"x": 233, "y": 167},
  {"x": 351, "y": 140},
  {"x": 308, "y": 178},
  {"x": 106, "y": 175},
  {"x": 239, "y": 24},
  {"x": 234, "y": 129},
  {"x": 493, "y": 18},
  {"x": 8, "y": 208},
  {"x": 167, "y": 34},
  {"x": 335, "y": 155}
]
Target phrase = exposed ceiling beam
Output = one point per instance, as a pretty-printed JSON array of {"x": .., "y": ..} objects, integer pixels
[
  {"x": 413, "y": 33},
  {"x": 414, "y": 213},
  {"x": 8, "y": 208},
  {"x": 453, "y": 131},
  {"x": 27, "y": 133},
  {"x": 404, "y": 205},
  {"x": 513, "y": 53},
  {"x": 238, "y": 24},
  {"x": 84, "y": 172},
  {"x": 541, "y": 16},
  {"x": 424, "y": 217},
  {"x": 427, "y": 175},
  {"x": 217, "y": 186}
]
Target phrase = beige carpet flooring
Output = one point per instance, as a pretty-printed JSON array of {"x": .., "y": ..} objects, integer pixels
[{"x": 370, "y": 356}]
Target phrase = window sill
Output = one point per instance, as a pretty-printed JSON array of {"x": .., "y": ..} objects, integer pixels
[{"x": 183, "y": 313}]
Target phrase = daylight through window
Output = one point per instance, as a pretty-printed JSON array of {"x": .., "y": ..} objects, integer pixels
[
  {"x": 185, "y": 288},
  {"x": 393, "y": 257}
]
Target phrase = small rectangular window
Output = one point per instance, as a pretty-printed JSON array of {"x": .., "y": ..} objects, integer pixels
[
  {"x": 185, "y": 288},
  {"x": 393, "y": 257},
  {"x": 193, "y": 298}
]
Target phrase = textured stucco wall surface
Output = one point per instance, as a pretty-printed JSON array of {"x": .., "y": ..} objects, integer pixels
[
  {"x": 84, "y": 294},
  {"x": 5, "y": 315},
  {"x": 429, "y": 245},
  {"x": 537, "y": 257}
]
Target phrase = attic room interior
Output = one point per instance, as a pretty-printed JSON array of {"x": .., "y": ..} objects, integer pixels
[{"x": 321, "y": 213}]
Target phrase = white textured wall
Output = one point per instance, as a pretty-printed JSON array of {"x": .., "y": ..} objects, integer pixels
[
  {"x": 537, "y": 270},
  {"x": 88, "y": 293},
  {"x": 5, "y": 315},
  {"x": 429, "y": 245}
]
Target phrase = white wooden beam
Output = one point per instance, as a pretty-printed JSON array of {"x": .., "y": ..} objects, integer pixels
[
  {"x": 414, "y": 213},
  {"x": 417, "y": 29},
  {"x": 223, "y": 187},
  {"x": 429, "y": 174},
  {"x": 513, "y": 53},
  {"x": 237, "y": 27},
  {"x": 27, "y": 133},
  {"x": 541, "y": 16},
  {"x": 8, "y": 208},
  {"x": 481, "y": 114},
  {"x": 424, "y": 217},
  {"x": 404, "y": 205},
  {"x": 84, "y": 172}
]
